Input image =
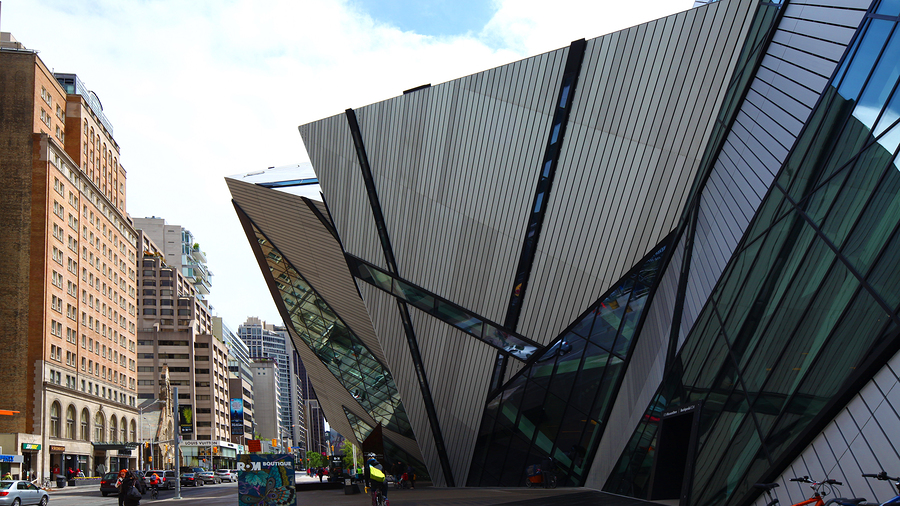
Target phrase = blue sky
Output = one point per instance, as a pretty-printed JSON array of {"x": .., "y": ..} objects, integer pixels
[
  {"x": 202, "y": 89},
  {"x": 436, "y": 18}
]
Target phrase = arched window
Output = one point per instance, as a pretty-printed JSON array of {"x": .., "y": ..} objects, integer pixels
[
  {"x": 54, "y": 419},
  {"x": 85, "y": 425},
  {"x": 133, "y": 431},
  {"x": 123, "y": 430},
  {"x": 99, "y": 428},
  {"x": 70, "y": 422},
  {"x": 113, "y": 436}
]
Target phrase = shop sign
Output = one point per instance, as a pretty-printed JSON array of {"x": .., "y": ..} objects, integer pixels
[
  {"x": 194, "y": 442},
  {"x": 12, "y": 458},
  {"x": 125, "y": 452},
  {"x": 57, "y": 449},
  {"x": 267, "y": 479},
  {"x": 31, "y": 446}
]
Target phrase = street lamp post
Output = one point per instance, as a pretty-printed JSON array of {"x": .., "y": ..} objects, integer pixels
[{"x": 141, "y": 450}]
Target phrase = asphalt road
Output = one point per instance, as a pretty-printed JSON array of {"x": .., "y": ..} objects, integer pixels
[{"x": 209, "y": 495}]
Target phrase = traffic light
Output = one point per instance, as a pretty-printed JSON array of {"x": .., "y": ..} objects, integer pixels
[
  {"x": 215, "y": 449},
  {"x": 146, "y": 444},
  {"x": 274, "y": 442},
  {"x": 150, "y": 458}
]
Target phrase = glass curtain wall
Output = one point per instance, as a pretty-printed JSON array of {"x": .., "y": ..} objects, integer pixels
[
  {"x": 809, "y": 298},
  {"x": 345, "y": 355},
  {"x": 556, "y": 405}
]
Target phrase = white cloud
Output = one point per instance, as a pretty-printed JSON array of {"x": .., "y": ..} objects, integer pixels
[{"x": 200, "y": 90}]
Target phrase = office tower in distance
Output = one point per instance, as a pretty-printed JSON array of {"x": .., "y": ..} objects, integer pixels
[
  {"x": 175, "y": 332},
  {"x": 240, "y": 382},
  {"x": 269, "y": 341},
  {"x": 180, "y": 251}
]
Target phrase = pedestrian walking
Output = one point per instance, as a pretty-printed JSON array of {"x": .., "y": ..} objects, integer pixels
[{"x": 131, "y": 488}]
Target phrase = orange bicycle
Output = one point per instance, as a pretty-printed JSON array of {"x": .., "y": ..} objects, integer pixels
[{"x": 820, "y": 490}]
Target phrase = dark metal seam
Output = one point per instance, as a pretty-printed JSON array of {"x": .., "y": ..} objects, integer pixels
[{"x": 381, "y": 227}]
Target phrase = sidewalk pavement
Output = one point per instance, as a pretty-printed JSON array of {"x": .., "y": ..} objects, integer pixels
[{"x": 427, "y": 495}]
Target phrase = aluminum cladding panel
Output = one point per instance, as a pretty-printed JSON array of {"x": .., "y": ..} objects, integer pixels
[
  {"x": 642, "y": 112},
  {"x": 455, "y": 166},
  {"x": 333, "y": 156}
]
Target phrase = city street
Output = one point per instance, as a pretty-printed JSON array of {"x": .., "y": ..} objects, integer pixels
[
  {"x": 424, "y": 495},
  {"x": 209, "y": 495}
]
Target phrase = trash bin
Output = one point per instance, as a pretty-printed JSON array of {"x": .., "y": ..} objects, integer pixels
[{"x": 60, "y": 482}]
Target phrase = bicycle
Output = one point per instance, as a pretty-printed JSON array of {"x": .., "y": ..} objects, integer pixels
[
  {"x": 378, "y": 498},
  {"x": 882, "y": 476},
  {"x": 154, "y": 491},
  {"x": 535, "y": 477},
  {"x": 820, "y": 490}
]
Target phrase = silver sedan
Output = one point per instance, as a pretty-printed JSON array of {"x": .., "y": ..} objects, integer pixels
[{"x": 18, "y": 493}]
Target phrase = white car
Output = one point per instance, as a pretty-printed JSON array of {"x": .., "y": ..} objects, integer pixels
[
  {"x": 22, "y": 492},
  {"x": 228, "y": 475}
]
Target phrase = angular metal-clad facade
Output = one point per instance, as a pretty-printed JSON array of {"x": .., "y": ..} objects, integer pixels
[{"x": 661, "y": 259}]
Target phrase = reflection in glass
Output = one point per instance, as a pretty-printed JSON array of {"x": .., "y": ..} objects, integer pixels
[
  {"x": 792, "y": 323},
  {"x": 339, "y": 349},
  {"x": 506, "y": 341},
  {"x": 556, "y": 405}
]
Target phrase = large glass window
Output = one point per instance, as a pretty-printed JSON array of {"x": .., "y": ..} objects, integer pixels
[
  {"x": 556, "y": 406},
  {"x": 792, "y": 321},
  {"x": 339, "y": 349}
]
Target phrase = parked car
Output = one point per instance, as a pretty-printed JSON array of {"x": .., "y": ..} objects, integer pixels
[
  {"x": 166, "y": 478},
  {"x": 189, "y": 476},
  {"x": 209, "y": 477},
  {"x": 228, "y": 475},
  {"x": 108, "y": 484},
  {"x": 22, "y": 492}
]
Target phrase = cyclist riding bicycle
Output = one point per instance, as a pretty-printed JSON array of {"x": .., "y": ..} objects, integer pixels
[
  {"x": 154, "y": 485},
  {"x": 375, "y": 480}
]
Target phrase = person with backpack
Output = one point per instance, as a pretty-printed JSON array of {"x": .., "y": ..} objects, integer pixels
[
  {"x": 375, "y": 478},
  {"x": 154, "y": 485},
  {"x": 131, "y": 489}
]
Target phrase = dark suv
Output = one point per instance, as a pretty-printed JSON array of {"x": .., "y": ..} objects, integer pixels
[{"x": 189, "y": 476}]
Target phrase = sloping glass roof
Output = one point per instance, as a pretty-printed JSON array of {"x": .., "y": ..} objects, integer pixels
[{"x": 339, "y": 349}]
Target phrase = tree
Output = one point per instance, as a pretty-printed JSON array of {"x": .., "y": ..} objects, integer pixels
[
  {"x": 348, "y": 456},
  {"x": 316, "y": 459}
]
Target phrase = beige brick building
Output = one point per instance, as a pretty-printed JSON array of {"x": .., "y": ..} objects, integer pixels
[{"x": 67, "y": 283}]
